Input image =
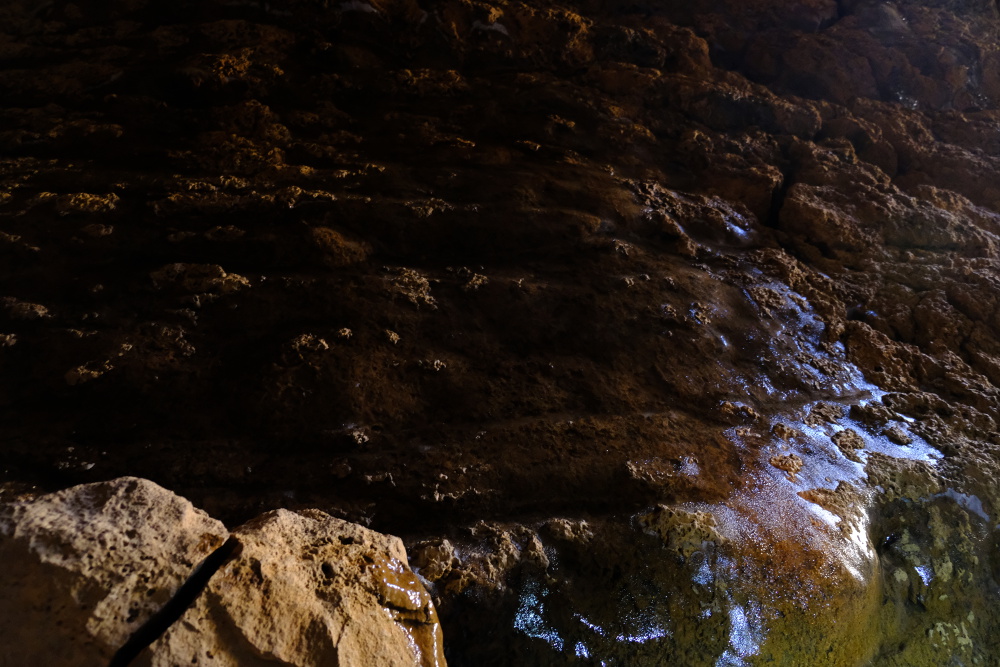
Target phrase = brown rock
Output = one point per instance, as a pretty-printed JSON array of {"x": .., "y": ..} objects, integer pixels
[
  {"x": 897, "y": 435},
  {"x": 337, "y": 251},
  {"x": 824, "y": 413},
  {"x": 790, "y": 463},
  {"x": 682, "y": 532},
  {"x": 198, "y": 278},
  {"x": 848, "y": 442}
]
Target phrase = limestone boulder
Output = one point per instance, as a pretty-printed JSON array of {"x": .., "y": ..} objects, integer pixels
[
  {"x": 307, "y": 589},
  {"x": 84, "y": 568}
]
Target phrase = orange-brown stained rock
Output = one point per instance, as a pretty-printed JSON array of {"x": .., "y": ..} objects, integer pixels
[{"x": 790, "y": 463}]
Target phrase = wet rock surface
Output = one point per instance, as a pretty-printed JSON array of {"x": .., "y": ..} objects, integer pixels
[{"x": 660, "y": 331}]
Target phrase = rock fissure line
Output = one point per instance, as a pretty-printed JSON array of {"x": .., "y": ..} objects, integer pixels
[{"x": 182, "y": 600}]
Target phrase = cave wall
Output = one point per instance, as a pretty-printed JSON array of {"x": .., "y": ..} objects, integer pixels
[{"x": 474, "y": 273}]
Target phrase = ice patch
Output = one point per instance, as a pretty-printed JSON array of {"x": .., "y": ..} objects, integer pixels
[
  {"x": 494, "y": 27},
  {"x": 645, "y": 636},
  {"x": 967, "y": 501},
  {"x": 704, "y": 576},
  {"x": 356, "y": 6},
  {"x": 689, "y": 467},
  {"x": 745, "y": 634},
  {"x": 529, "y": 618}
]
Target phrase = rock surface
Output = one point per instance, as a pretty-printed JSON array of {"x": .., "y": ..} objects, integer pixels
[
  {"x": 85, "y": 568},
  {"x": 88, "y": 567},
  {"x": 663, "y": 331},
  {"x": 308, "y": 589}
]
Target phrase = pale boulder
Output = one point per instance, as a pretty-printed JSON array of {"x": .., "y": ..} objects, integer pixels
[
  {"x": 307, "y": 589},
  {"x": 85, "y": 567}
]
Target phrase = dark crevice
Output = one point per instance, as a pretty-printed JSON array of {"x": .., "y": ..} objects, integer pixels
[
  {"x": 182, "y": 600},
  {"x": 778, "y": 199}
]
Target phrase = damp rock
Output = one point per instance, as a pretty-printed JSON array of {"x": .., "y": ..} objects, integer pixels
[
  {"x": 738, "y": 413},
  {"x": 24, "y": 310},
  {"x": 336, "y": 250},
  {"x": 86, "y": 373},
  {"x": 849, "y": 442},
  {"x": 785, "y": 432},
  {"x": 198, "y": 278},
  {"x": 824, "y": 413},
  {"x": 97, "y": 230},
  {"x": 501, "y": 550},
  {"x": 82, "y": 202},
  {"x": 872, "y": 414},
  {"x": 412, "y": 286},
  {"x": 434, "y": 560},
  {"x": 568, "y": 530},
  {"x": 897, "y": 435},
  {"x": 682, "y": 532},
  {"x": 790, "y": 463}
]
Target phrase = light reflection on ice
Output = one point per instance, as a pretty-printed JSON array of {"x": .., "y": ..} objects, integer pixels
[
  {"x": 655, "y": 633},
  {"x": 744, "y": 630},
  {"x": 494, "y": 27},
  {"x": 593, "y": 626},
  {"x": 355, "y": 6},
  {"x": 704, "y": 576},
  {"x": 967, "y": 501},
  {"x": 825, "y": 466},
  {"x": 529, "y": 618},
  {"x": 925, "y": 574},
  {"x": 645, "y": 634},
  {"x": 689, "y": 467},
  {"x": 730, "y": 659},
  {"x": 737, "y": 229},
  {"x": 643, "y": 627},
  {"x": 794, "y": 342}
]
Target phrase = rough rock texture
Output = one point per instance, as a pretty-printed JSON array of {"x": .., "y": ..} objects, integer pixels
[
  {"x": 505, "y": 278},
  {"x": 307, "y": 589},
  {"x": 86, "y": 567}
]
